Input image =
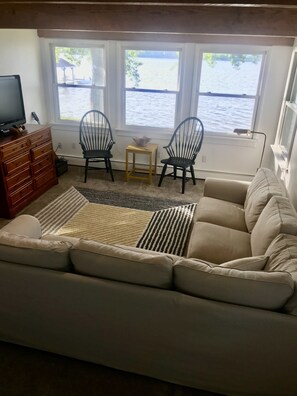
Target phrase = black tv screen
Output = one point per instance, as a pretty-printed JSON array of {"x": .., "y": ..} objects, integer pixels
[{"x": 12, "y": 111}]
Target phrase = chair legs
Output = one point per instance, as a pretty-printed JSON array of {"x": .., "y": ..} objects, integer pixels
[
  {"x": 193, "y": 175},
  {"x": 184, "y": 174},
  {"x": 86, "y": 169},
  {"x": 162, "y": 174},
  {"x": 107, "y": 167},
  {"x": 110, "y": 168}
]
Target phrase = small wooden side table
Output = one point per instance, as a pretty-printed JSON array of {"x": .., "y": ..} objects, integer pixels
[{"x": 151, "y": 150}]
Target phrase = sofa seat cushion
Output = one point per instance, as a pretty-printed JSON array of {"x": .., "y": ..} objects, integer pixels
[
  {"x": 282, "y": 256},
  {"x": 217, "y": 244},
  {"x": 259, "y": 289},
  {"x": 264, "y": 185},
  {"x": 110, "y": 262},
  {"x": 35, "y": 252},
  {"x": 223, "y": 213},
  {"x": 277, "y": 217}
]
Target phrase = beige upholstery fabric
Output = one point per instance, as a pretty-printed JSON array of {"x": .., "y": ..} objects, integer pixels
[
  {"x": 277, "y": 217},
  {"x": 35, "y": 252},
  {"x": 247, "y": 263},
  {"x": 110, "y": 262},
  {"x": 226, "y": 190},
  {"x": 25, "y": 225},
  {"x": 283, "y": 257},
  {"x": 223, "y": 213},
  {"x": 218, "y": 244},
  {"x": 264, "y": 185},
  {"x": 267, "y": 290},
  {"x": 65, "y": 238}
]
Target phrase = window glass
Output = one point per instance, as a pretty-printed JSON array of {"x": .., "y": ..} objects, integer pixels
[
  {"x": 151, "y": 87},
  {"x": 228, "y": 91},
  {"x": 80, "y": 76}
]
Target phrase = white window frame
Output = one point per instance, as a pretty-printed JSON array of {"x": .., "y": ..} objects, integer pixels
[
  {"x": 283, "y": 152},
  {"x": 228, "y": 49},
  {"x": 49, "y": 65},
  {"x": 121, "y": 103}
]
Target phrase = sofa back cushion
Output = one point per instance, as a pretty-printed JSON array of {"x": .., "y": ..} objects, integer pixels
[
  {"x": 259, "y": 289},
  {"x": 35, "y": 252},
  {"x": 264, "y": 185},
  {"x": 115, "y": 263},
  {"x": 277, "y": 217},
  {"x": 282, "y": 256}
]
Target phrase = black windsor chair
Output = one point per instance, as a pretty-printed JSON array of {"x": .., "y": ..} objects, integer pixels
[
  {"x": 183, "y": 148},
  {"x": 95, "y": 138}
]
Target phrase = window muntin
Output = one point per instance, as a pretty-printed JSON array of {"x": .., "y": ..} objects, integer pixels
[
  {"x": 80, "y": 81},
  {"x": 151, "y": 88},
  {"x": 288, "y": 119},
  {"x": 228, "y": 91}
]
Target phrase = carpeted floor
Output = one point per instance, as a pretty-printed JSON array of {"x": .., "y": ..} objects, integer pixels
[{"x": 134, "y": 201}]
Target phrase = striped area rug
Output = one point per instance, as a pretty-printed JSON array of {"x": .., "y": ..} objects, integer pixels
[
  {"x": 168, "y": 230},
  {"x": 61, "y": 210}
]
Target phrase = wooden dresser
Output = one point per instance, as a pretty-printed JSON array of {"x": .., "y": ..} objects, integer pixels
[{"x": 27, "y": 168}]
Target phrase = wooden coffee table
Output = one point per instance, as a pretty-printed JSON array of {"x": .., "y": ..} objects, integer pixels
[{"x": 151, "y": 150}]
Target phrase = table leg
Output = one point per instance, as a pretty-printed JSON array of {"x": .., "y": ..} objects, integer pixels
[
  {"x": 127, "y": 164},
  {"x": 150, "y": 169},
  {"x": 156, "y": 158}
]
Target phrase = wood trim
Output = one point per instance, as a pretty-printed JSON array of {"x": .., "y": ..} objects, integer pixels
[
  {"x": 168, "y": 38},
  {"x": 196, "y": 3},
  {"x": 256, "y": 21}
]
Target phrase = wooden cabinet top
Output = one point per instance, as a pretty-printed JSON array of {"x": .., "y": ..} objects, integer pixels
[{"x": 31, "y": 129}]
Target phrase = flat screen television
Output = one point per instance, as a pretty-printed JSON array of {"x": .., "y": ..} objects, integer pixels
[{"x": 12, "y": 111}]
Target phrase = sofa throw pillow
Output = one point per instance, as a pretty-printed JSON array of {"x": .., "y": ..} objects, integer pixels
[
  {"x": 34, "y": 252},
  {"x": 277, "y": 217},
  {"x": 264, "y": 185},
  {"x": 259, "y": 289},
  {"x": 256, "y": 263},
  {"x": 282, "y": 254},
  {"x": 115, "y": 263}
]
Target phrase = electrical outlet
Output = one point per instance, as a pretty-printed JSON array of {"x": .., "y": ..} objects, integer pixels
[
  {"x": 59, "y": 145},
  {"x": 203, "y": 158}
]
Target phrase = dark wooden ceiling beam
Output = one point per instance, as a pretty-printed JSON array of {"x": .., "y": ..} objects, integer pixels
[{"x": 267, "y": 21}]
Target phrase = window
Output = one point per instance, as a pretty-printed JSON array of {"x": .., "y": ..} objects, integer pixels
[
  {"x": 151, "y": 88},
  {"x": 79, "y": 81},
  {"x": 288, "y": 121},
  {"x": 229, "y": 90}
]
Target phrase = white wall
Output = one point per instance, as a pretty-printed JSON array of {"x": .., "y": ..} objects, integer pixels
[
  {"x": 20, "y": 54},
  {"x": 290, "y": 174}
]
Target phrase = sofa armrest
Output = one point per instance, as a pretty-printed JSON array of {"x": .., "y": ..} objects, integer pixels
[
  {"x": 24, "y": 225},
  {"x": 226, "y": 190}
]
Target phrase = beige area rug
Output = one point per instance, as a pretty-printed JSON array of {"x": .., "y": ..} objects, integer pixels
[{"x": 107, "y": 224}]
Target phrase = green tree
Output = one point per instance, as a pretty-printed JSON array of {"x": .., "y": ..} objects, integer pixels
[
  {"x": 72, "y": 55},
  {"x": 235, "y": 59},
  {"x": 132, "y": 65}
]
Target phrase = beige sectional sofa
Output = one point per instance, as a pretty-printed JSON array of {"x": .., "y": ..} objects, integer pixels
[{"x": 223, "y": 318}]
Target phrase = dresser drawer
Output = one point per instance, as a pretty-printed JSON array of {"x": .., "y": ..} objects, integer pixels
[
  {"x": 44, "y": 178},
  {"x": 39, "y": 151},
  {"x": 20, "y": 194},
  {"x": 14, "y": 148},
  {"x": 12, "y": 166},
  {"x": 16, "y": 181},
  {"x": 45, "y": 162},
  {"x": 40, "y": 137}
]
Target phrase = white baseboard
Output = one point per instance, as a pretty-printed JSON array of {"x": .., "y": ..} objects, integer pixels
[{"x": 200, "y": 174}]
